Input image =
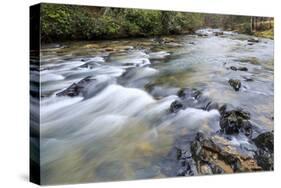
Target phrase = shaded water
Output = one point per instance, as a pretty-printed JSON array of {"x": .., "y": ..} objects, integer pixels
[{"x": 120, "y": 128}]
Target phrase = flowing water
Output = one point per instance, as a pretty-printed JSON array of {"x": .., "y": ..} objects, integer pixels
[{"x": 120, "y": 127}]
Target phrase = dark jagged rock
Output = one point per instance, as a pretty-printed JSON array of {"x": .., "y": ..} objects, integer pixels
[
  {"x": 212, "y": 157},
  {"x": 236, "y": 84},
  {"x": 235, "y": 122},
  {"x": 76, "y": 88},
  {"x": 176, "y": 106},
  {"x": 193, "y": 98},
  {"x": 264, "y": 154}
]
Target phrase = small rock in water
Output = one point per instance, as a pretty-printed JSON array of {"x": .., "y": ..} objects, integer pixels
[
  {"x": 194, "y": 98},
  {"x": 254, "y": 40},
  {"x": 218, "y": 33},
  {"x": 176, "y": 106},
  {"x": 187, "y": 92},
  {"x": 243, "y": 68},
  {"x": 76, "y": 88},
  {"x": 239, "y": 68},
  {"x": 233, "y": 68},
  {"x": 235, "y": 122},
  {"x": 236, "y": 84}
]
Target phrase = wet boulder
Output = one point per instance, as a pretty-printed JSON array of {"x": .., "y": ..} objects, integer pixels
[
  {"x": 176, "y": 106},
  {"x": 187, "y": 92},
  {"x": 76, "y": 88},
  {"x": 265, "y": 141},
  {"x": 195, "y": 99},
  {"x": 235, "y": 122},
  {"x": 264, "y": 154},
  {"x": 215, "y": 155},
  {"x": 236, "y": 84}
]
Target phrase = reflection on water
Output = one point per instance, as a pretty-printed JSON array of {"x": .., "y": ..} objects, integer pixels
[{"x": 115, "y": 129}]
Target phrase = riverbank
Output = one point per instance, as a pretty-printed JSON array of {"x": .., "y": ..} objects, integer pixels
[{"x": 265, "y": 34}]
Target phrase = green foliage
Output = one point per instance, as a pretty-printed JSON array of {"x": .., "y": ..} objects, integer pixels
[
  {"x": 105, "y": 26},
  {"x": 68, "y": 22},
  {"x": 63, "y": 22}
]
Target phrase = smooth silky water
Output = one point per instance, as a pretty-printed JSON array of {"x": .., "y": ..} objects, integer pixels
[{"x": 122, "y": 132}]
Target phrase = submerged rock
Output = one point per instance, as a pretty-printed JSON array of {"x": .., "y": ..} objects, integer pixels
[
  {"x": 214, "y": 158},
  {"x": 76, "y": 88},
  {"x": 264, "y": 154},
  {"x": 236, "y": 84},
  {"x": 235, "y": 122}
]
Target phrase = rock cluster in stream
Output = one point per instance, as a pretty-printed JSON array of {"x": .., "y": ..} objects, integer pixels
[
  {"x": 192, "y": 98},
  {"x": 215, "y": 154},
  {"x": 76, "y": 88}
]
